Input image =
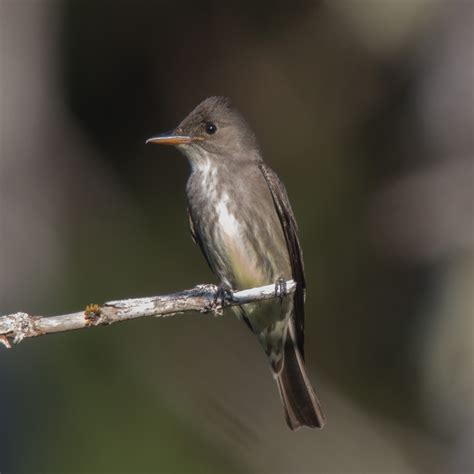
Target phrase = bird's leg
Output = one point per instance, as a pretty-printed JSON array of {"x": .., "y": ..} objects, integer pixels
[
  {"x": 223, "y": 295},
  {"x": 281, "y": 289}
]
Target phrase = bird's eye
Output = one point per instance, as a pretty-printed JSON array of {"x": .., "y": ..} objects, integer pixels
[{"x": 210, "y": 128}]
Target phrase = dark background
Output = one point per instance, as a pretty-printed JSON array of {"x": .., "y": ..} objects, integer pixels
[{"x": 364, "y": 108}]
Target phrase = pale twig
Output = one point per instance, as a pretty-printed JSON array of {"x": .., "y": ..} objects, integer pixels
[{"x": 202, "y": 298}]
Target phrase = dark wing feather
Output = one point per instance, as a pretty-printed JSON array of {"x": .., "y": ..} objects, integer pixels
[
  {"x": 197, "y": 238},
  {"x": 290, "y": 229}
]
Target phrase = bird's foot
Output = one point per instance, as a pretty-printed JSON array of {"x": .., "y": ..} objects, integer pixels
[
  {"x": 223, "y": 296},
  {"x": 281, "y": 289}
]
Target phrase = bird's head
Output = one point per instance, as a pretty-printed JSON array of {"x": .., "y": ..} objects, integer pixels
[{"x": 215, "y": 131}]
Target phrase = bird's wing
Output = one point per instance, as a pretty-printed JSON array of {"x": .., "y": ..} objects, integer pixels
[
  {"x": 196, "y": 237},
  {"x": 290, "y": 229}
]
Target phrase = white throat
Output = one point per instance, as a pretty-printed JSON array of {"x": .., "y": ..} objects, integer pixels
[{"x": 204, "y": 165}]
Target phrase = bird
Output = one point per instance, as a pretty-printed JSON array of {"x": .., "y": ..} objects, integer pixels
[{"x": 241, "y": 218}]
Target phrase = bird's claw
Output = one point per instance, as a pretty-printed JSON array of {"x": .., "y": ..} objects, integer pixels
[
  {"x": 223, "y": 295},
  {"x": 281, "y": 289}
]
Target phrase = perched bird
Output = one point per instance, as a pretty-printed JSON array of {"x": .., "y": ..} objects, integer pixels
[{"x": 241, "y": 218}]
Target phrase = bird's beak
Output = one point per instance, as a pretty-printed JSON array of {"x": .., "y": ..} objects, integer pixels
[{"x": 170, "y": 138}]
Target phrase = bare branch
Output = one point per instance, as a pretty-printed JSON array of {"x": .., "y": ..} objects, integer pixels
[{"x": 202, "y": 298}]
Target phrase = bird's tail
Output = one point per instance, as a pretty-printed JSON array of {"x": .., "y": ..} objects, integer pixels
[{"x": 302, "y": 407}]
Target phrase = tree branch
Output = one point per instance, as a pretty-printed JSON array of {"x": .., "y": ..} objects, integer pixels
[{"x": 203, "y": 298}]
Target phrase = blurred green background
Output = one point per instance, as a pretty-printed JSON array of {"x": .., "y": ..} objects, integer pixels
[{"x": 364, "y": 108}]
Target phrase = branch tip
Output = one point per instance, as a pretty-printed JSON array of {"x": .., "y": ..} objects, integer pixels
[{"x": 4, "y": 340}]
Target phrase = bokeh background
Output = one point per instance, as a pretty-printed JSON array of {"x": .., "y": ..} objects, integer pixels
[{"x": 364, "y": 108}]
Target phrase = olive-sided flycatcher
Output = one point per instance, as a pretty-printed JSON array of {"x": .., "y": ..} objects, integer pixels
[{"x": 241, "y": 219}]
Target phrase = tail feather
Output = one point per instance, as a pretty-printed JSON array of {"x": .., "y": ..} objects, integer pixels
[{"x": 302, "y": 407}]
